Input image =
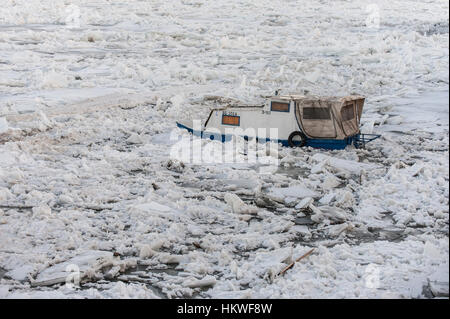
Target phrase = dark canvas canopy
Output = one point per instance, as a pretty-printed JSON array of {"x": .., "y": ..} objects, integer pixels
[{"x": 329, "y": 117}]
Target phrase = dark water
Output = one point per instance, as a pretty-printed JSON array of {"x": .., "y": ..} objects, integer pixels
[
  {"x": 150, "y": 277},
  {"x": 2, "y": 272}
]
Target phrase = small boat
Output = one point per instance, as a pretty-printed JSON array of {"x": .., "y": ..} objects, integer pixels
[{"x": 294, "y": 120}]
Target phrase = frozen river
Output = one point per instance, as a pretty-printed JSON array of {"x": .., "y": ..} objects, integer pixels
[{"x": 89, "y": 96}]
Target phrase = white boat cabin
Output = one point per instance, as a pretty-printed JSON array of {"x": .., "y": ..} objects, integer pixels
[{"x": 324, "y": 122}]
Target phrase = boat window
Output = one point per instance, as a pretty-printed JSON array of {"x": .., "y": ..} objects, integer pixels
[
  {"x": 279, "y": 107},
  {"x": 231, "y": 120},
  {"x": 316, "y": 113},
  {"x": 348, "y": 112}
]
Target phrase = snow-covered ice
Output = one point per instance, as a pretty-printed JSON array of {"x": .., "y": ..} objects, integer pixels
[
  {"x": 89, "y": 96},
  {"x": 3, "y": 125}
]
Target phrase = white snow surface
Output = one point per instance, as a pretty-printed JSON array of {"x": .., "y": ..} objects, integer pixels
[
  {"x": 3, "y": 125},
  {"x": 88, "y": 102}
]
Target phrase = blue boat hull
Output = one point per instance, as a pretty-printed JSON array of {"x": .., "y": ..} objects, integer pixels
[{"x": 329, "y": 144}]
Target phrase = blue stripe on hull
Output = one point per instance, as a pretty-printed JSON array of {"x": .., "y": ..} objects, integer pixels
[
  {"x": 329, "y": 144},
  {"x": 316, "y": 143}
]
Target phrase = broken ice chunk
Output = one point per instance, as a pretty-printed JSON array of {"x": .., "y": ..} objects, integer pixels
[
  {"x": 327, "y": 212},
  {"x": 135, "y": 139},
  {"x": 336, "y": 230},
  {"x": 305, "y": 202},
  {"x": 330, "y": 182},
  {"x": 395, "y": 120},
  {"x": 415, "y": 169},
  {"x": 151, "y": 208},
  {"x": 42, "y": 210},
  {"x": 343, "y": 165},
  {"x": 327, "y": 199},
  {"x": 302, "y": 230},
  {"x": 431, "y": 251},
  {"x": 21, "y": 273},
  {"x": 208, "y": 281},
  {"x": 81, "y": 264},
  {"x": 319, "y": 167},
  {"x": 297, "y": 191},
  {"x": 367, "y": 127},
  {"x": 272, "y": 262},
  {"x": 3, "y": 125},
  {"x": 439, "y": 282},
  {"x": 238, "y": 206},
  {"x": 113, "y": 272},
  {"x": 146, "y": 251},
  {"x": 5, "y": 194},
  {"x": 167, "y": 258}
]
